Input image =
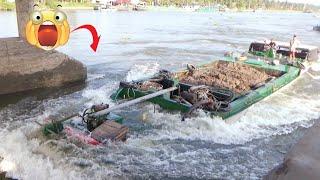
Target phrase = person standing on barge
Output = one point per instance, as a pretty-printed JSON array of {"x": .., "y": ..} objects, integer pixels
[{"x": 293, "y": 45}]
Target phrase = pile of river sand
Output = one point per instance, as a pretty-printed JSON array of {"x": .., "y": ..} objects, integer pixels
[{"x": 238, "y": 77}]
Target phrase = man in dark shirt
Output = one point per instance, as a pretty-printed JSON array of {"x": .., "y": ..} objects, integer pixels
[{"x": 272, "y": 44}]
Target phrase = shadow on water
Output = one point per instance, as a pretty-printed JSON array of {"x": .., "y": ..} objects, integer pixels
[{"x": 41, "y": 94}]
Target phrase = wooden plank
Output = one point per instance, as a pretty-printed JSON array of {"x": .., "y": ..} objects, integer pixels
[{"x": 110, "y": 130}]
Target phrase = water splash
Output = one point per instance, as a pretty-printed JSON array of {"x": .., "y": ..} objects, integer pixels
[
  {"x": 21, "y": 160},
  {"x": 142, "y": 71},
  {"x": 282, "y": 113},
  {"x": 99, "y": 95},
  {"x": 92, "y": 77}
]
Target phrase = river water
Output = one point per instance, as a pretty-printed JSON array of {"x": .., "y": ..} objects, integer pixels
[{"x": 135, "y": 45}]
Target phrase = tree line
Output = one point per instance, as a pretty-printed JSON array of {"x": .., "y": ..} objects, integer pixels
[
  {"x": 239, "y": 4},
  {"x": 232, "y": 4}
]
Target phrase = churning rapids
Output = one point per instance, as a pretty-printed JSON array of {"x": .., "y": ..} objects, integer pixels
[{"x": 135, "y": 45}]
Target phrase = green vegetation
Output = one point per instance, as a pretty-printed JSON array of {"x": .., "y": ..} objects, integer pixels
[
  {"x": 239, "y": 4},
  {"x": 232, "y": 4},
  {"x": 4, "y": 5},
  {"x": 65, "y": 3}
]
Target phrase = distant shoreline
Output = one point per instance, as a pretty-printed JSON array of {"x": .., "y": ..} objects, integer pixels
[{"x": 174, "y": 9}]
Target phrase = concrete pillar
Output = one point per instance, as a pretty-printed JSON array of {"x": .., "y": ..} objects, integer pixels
[
  {"x": 302, "y": 160},
  {"x": 23, "y": 9},
  {"x": 24, "y": 67}
]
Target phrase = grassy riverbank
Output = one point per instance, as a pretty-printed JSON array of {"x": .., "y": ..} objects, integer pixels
[
  {"x": 6, "y": 6},
  {"x": 69, "y": 5}
]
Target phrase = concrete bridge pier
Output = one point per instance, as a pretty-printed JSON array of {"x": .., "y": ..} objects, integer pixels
[
  {"x": 24, "y": 67},
  {"x": 23, "y": 10},
  {"x": 302, "y": 161}
]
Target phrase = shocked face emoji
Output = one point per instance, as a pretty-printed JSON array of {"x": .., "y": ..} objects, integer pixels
[{"x": 47, "y": 29}]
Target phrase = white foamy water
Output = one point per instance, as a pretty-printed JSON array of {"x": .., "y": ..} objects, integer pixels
[
  {"x": 22, "y": 161},
  {"x": 280, "y": 114},
  {"x": 277, "y": 114},
  {"x": 92, "y": 77},
  {"x": 99, "y": 95},
  {"x": 165, "y": 144},
  {"x": 140, "y": 71},
  {"x": 316, "y": 67},
  {"x": 259, "y": 121}
]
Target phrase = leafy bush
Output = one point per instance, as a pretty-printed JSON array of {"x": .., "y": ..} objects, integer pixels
[
  {"x": 51, "y": 4},
  {"x": 6, "y": 5}
]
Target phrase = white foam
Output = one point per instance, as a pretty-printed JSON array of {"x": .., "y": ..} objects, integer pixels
[
  {"x": 316, "y": 67},
  {"x": 99, "y": 95},
  {"x": 92, "y": 77},
  {"x": 21, "y": 162},
  {"x": 281, "y": 113},
  {"x": 140, "y": 71},
  {"x": 102, "y": 94},
  {"x": 7, "y": 166}
]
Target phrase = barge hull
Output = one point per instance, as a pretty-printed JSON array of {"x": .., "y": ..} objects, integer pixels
[{"x": 238, "y": 105}]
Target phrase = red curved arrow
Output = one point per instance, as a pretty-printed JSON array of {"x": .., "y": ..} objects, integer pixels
[{"x": 95, "y": 37}]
